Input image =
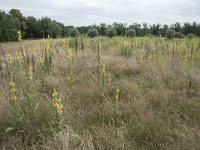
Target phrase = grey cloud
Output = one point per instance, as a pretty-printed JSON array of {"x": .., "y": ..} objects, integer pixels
[{"x": 85, "y": 12}]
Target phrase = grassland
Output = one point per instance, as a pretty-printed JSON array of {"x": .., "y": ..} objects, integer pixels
[{"x": 100, "y": 94}]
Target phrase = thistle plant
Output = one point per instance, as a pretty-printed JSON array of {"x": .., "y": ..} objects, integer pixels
[{"x": 57, "y": 119}]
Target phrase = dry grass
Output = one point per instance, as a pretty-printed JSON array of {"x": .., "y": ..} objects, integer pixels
[{"x": 158, "y": 105}]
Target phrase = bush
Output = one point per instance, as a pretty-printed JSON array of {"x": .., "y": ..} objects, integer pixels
[
  {"x": 111, "y": 32},
  {"x": 73, "y": 32},
  {"x": 170, "y": 34},
  {"x": 126, "y": 51},
  {"x": 191, "y": 36},
  {"x": 179, "y": 35},
  {"x": 149, "y": 35},
  {"x": 92, "y": 32},
  {"x": 131, "y": 33}
]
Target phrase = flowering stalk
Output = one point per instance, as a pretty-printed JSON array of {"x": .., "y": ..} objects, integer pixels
[
  {"x": 13, "y": 92},
  {"x": 57, "y": 119},
  {"x": 70, "y": 78},
  {"x": 30, "y": 86},
  {"x": 21, "y": 46},
  {"x": 57, "y": 104}
]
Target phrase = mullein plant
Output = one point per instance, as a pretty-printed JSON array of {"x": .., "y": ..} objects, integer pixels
[
  {"x": 16, "y": 114},
  {"x": 48, "y": 61},
  {"x": 23, "y": 53},
  {"x": 17, "y": 58},
  {"x": 41, "y": 72},
  {"x": 147, "y": 47},
  {"x": 70, "y": 77},
  {"x": 103, "y": 72},
  {"x": 30, "y": 87},
  {"x": 33, "y": 59},
  {"x": 57, "y": 112},
  {"x": 105, "y": 75},
  {"x": 9, "y": 61}
]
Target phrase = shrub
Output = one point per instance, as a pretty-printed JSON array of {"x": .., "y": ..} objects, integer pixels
[
  {"x": 111, "y": 32},
  {"x": 92, "y": 32},
  {"x": 73, "y": 32},
  {"x": 191, "y": 36},
  {"x": 179, "y": 35},
  {"x": 149, "y": 35},
  {"x": 170, "y": 33},
  {"x": 131, "y": 33},
  {"x": 126, "y": 51}
]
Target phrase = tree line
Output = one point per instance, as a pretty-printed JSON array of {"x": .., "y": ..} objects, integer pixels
[{"x": 33, "y": 28}]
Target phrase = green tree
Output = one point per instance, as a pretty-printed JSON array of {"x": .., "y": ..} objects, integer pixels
[
  {"x": 102, "y": 29},
  {"x": 111, "y": 32},
  {"x": 82, "y": 29},
  {"x": 54, "y": 29},
  {"x": 93, "y": 32},
  {"x": 191, "y": 36},
  {"x": 17, "y": 13},
  {"x": 120, "y": 28},
  {"x": 179, "y": 35},
  {"x": 9, "y": 27},
  {"x": 155, "y": 29},
  {"x": 73, "y": 32},
  {"x": 33, "y": 28},
  {"x": 137, "y": 28},
  {"x": 131, "y": 33},
  {"x": 170, "y": 34},
  {"x": 44, "y": 26}
]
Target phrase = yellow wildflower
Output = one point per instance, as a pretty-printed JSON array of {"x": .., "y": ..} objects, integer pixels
[
  {"x": 13, "y": 91},
  {"x": 57, "y": 103},
  {"x": 9, "y": 59}
]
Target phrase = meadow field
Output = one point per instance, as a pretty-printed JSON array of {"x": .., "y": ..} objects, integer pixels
[{"x": 100, "y": 94}]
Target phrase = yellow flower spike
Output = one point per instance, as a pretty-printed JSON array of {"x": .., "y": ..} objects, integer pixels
[
  {"x": 13, "y": 91},
  {"x": 32, "y": 51},
  {"x": 17, "y": 56},
  {"x": 40, "y": 60},
  {"x": 19, "y": 35},
  {"x": 103, "y": 69},
  {"x": 9, "y": 59},
  {"x": 70, "y": 55},
  {"x": 57, "y": 103},
  {"x": 30, "y": 72}
]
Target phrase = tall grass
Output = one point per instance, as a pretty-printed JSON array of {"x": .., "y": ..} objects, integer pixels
[{"x": 116, "y": 93}]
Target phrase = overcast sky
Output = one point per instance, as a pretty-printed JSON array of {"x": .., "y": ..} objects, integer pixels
[{"x": 87, "y": 12}]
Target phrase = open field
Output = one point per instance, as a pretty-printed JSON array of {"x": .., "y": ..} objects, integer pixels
[{"x": 100, "y": 93}]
